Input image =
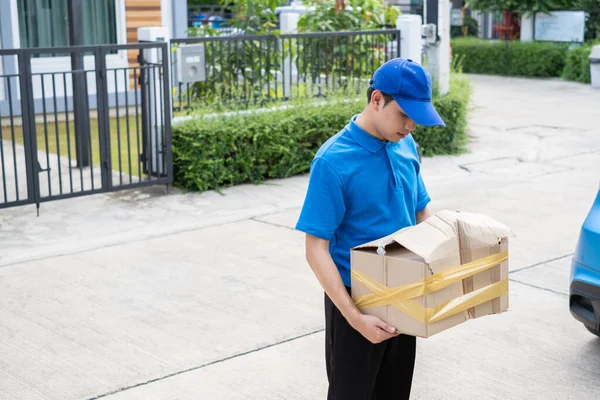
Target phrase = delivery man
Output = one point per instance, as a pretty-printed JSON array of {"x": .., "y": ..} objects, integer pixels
[{"x": 365, "y": 183}]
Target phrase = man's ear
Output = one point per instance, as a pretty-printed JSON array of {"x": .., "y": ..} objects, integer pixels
[{"x": 377, "y": 100}]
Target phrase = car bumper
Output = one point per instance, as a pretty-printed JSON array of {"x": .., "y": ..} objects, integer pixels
[{"x": 584, "y": 294}]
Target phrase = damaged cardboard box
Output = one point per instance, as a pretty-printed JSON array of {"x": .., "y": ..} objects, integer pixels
[{"x": 430, "y": 277}]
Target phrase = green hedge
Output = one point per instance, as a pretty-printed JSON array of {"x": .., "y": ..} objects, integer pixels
[
  {"x": 210, "y": 153},
  {"x": 531, "y": 59},
  {"x": 453, "y": 108},
  {"x": 577, "y": 66}
]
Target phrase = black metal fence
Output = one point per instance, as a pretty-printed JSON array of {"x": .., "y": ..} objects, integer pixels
[
  {"x": 87, "y": 128},
  {"x": 247, "y": 69}
]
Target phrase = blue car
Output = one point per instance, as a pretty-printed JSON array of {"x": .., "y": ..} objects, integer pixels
[{"x": 584, "y": 298}]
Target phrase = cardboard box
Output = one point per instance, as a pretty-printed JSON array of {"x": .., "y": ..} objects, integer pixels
[{"x": 430, "y": 277}]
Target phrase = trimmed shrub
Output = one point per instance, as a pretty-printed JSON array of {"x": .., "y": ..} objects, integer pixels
[
  {"x": 209, "y": 153},
  {"x": 577, "y": 66},
  {"x": 529, "y": 59},
  {"x": 454, "y": 108}
]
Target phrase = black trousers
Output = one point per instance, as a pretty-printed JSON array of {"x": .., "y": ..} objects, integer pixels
[{"x": 360, "y": 370}]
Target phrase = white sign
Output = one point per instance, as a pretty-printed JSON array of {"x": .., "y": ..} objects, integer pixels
[
  {"x": 560, "y": 26},
  {"x": 456, "y": 17}
]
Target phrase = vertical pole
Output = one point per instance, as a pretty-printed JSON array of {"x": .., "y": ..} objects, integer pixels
[
  {"x": 145, "y": 108},
  {"x": 153, "y": 74},
  {"x": 506, "y": 34},
  {"x": 438, "y": 53},
  {"x": 432, "y": 13},
  {"x": 288, "y": 24},
  {"x": 167, "y": 115},
  {"x": 410, "y": 43},
  {"x": 80, "y": 99},
  {"x": 103, "y": 120},
  {"x": 29, "y": 131}
]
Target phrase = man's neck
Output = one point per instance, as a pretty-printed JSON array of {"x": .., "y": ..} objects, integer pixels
[{"x": 364, "y": 122}]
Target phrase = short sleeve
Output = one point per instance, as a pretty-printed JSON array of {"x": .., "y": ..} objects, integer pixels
[
  {"x": 324, "y": 208},
  {"x": 422, "y": 195}
]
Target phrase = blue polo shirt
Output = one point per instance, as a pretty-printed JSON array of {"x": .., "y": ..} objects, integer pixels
[{"x": 361, "y": 189}]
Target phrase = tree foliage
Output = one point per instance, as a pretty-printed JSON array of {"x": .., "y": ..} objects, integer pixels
[{"x": 337, "y": 15}]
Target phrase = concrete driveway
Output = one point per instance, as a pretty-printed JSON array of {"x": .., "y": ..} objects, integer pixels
[{"x": 148, "y": 295}]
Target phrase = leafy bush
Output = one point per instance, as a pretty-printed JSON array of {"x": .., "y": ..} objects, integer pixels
[
  {"x": 453, "y": 109},
  {"x": 533, "y": 59},
  {"x": 577, "y": 67},
  {"x": 472, "y": 28},
  {"x": 210, "y": 153}
]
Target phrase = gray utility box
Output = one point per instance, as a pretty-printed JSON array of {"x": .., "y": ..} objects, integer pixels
[
  {"x": 191, "y": 63},
  {"x": 595, "y": 66}
]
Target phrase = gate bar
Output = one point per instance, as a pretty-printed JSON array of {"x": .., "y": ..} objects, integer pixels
[{"x": 29, "y": 129}]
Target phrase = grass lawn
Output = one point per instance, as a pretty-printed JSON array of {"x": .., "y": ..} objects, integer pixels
[{"x": 63, "y": 135}]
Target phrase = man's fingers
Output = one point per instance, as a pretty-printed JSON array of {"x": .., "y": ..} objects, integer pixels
[{"x": 388, "y": 328}]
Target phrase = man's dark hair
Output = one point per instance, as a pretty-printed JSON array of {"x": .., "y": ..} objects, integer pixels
[{"x": 386, "y": 97}]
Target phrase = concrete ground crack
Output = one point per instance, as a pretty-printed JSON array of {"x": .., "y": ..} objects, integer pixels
[
  {"x": 207, "y": 364},
  {"x": 255, "y": 219},
  {"x": 541, "y": 263},
  {"x": 567, "y": 156},
  {"x": 537, "y": 265},
  {"x": 539, "y": 287},
  {"x": 144, "y": 237}
]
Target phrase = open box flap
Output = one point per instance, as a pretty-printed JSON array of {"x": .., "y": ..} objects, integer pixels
[
  {"x": 438, "y": 236},
  {"x": 433, "y": 239}
]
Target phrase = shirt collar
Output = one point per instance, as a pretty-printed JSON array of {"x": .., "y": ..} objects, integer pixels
[{"x": 363, "y": 138}]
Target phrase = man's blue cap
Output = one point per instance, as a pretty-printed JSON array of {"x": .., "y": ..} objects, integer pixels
[{"x": 410, "y": 85}]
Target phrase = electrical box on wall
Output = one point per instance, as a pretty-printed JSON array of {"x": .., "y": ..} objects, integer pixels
[
  {"x": 428, "y": 32},
  {"x": 191, "y": 63}
]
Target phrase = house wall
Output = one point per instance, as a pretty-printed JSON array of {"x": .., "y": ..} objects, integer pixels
[
  {"x": 139, "y": 14},
  {"x": 130, "y": 14}
]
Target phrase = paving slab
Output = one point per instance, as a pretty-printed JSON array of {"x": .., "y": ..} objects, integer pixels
[
  {"x": 497, "y": 357},
  {"x": 552, "y": 276},
  {"x": 63, "y": 227},
  {"x": 80, "y": 325}
]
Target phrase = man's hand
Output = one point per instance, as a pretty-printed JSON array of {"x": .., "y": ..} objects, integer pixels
[
  {"x": 373, "y": 328},
  {"x": 319, "y": 259}
]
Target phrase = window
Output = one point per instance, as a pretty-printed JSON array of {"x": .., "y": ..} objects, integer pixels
[{"x": 45, "y": 23}]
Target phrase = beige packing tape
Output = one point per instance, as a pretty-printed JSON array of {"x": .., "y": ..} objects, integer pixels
[{"x": 401, "y": 296}]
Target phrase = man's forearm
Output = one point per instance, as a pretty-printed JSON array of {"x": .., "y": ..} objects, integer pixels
[
  {"x": 423, "y": 214},
  {"x": 326, "y": 272}
]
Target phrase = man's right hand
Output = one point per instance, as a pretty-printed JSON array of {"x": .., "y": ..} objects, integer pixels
[
  {"x": 374, "y": 329},
  {"x": 319, "y": 259}
]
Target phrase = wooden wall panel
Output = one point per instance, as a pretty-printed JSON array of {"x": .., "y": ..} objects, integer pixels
[{"x": 138, "y": 14}]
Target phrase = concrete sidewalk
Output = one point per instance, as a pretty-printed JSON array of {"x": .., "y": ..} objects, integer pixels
[{"x": 144, "y": 295}]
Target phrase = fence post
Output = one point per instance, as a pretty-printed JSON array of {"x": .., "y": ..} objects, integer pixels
[
  {"x": 167, "y": 107},
  {"x": 154, "y": 119},
  {"x": 527, "y": 28},
  {"x": 80, "y": 97},
  {"x": 410, "y": 40},
  {"x": 288, "y": 24},
  {"x": 180, "y": 18},
  {"x": 29, "y": 129},
  {"x": 438, "y": 54},
  {"x": 103, "y": 119}
]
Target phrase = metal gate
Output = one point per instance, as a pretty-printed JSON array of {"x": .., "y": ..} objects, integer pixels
[{"x": 83, "y": 120}]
